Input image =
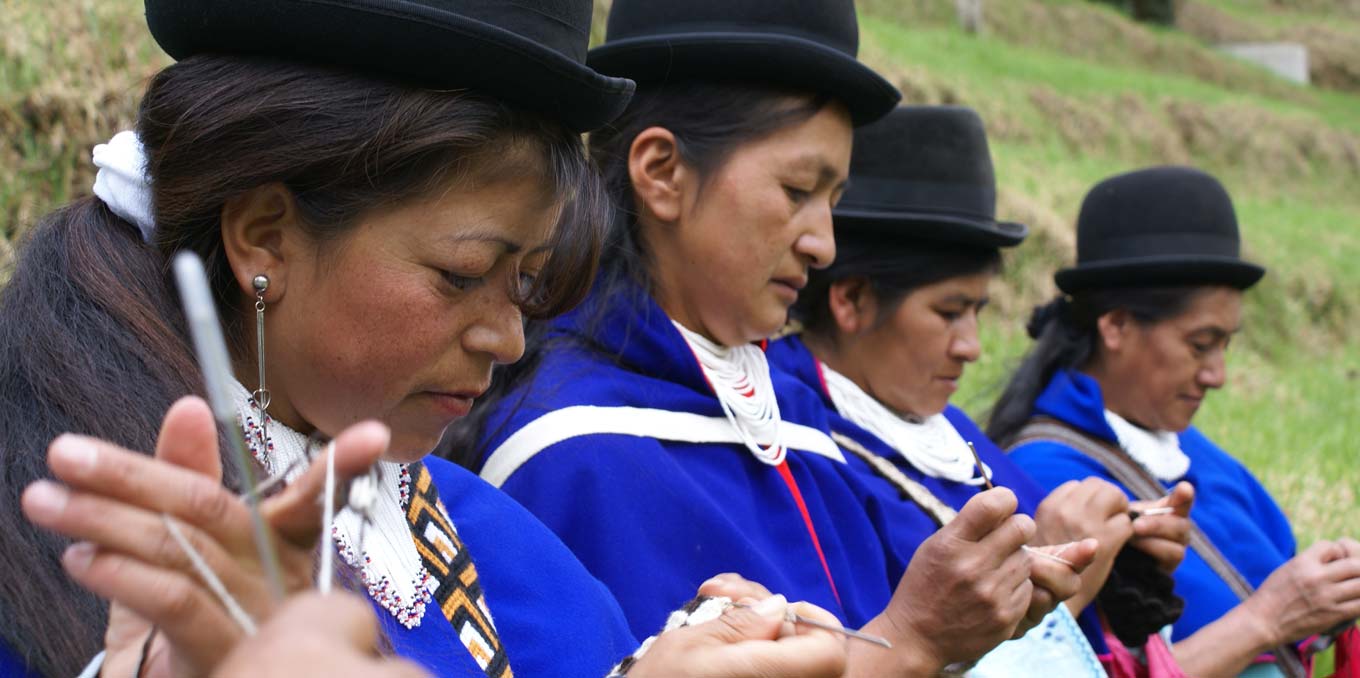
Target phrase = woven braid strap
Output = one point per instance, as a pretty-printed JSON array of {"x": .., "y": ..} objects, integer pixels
[
  {"x": 1143, "y": 485},
  {"x": 919, "y": 494}
]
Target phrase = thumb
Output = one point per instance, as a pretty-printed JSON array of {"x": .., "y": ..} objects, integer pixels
[
  {"x": 985, "y": 512},
  {"x": 1182, "y": 498},
  {"x": 188, "y": 438},
  {"x": 1080, "y": 553}
]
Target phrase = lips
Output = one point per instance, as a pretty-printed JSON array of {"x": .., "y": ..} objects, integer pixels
[{"x": 456, "y": 403}]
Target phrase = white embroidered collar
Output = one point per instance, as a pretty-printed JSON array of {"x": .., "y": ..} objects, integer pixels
[
  {"x": 932, "y": 445},
  {"x": 740, "y": 377},
  {"x": 1157, "y": 451},
  {"x": 388, "y": 562}
]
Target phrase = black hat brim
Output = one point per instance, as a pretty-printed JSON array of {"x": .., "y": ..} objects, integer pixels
[
  {"x": 934, "y": 227},
  {"x": 785, "y": 59},
  {"x": 407, "y": 42},
  {"x": 1160, "y": 271}
]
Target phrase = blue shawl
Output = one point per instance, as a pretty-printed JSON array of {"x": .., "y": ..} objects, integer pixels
[{"x": 654, "y": 518}]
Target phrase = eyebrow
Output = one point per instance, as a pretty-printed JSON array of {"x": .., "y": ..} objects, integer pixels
[
  {"x": 511, "y": 247},
  {"x": 825, "y": 172},
  {"x": 966, "y": 300},
  {"x": 1216, "y": 332}
]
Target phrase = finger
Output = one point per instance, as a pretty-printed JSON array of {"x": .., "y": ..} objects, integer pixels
[
  {"x": 96, "y": 467},
  {"x": 1009, "y": 536},
  {"x": 740, "y": 631},
  {"x": 295, "y": 513},
  {"x": 119, "y": 527},
  {"x": 1173, "y": 527},
  {"x": 187, "y": 614},
  {"x": 1182, "y": 497},
  {"x": 1104, "y": 499},
  {"x": 1058, "y": 579},
  {"x": 336, "y": 615},
  {"x": 1342, "y": 570},
  {"x": 188, "y": 438},
  {"x": 1080, "y": 553},
  {"x": 734, "y": 586},
  {"x": 1351, "y": 546},
  {"x": 983, "y": 514},
  {"x": 1324, "y": 551}
]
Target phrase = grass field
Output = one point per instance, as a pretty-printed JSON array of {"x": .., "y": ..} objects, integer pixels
[{"x": 1071, "y": 92}]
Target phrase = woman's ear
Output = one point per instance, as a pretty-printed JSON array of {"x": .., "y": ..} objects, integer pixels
[
  {"x": 853, "y": 304},
  {"x": 658, "y": 174},
  {"x": 1114, "y": 328},
  {"x": 256, "y": 227}
]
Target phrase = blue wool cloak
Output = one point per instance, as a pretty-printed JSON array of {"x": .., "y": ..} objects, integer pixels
[
  {"x": 1231, "y": 507},
  {"x": 897, "y": 517},
  {"x": 655, "y": 518},
  {"x": 554, "y": 619}
]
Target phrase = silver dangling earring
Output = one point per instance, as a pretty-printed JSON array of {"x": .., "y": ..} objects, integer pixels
[{"x": 261, "y": 394}]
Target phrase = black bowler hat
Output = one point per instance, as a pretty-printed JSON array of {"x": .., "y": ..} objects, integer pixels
[
  {"x": 925, "y": 172},
  {"x": 810, "y": 44},
  {"x": 527, "y": 52},
  {"x": 1158, "y": 226}
]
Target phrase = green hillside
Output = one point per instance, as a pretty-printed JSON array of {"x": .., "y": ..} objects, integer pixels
[{"x": 1071, "y": 91}]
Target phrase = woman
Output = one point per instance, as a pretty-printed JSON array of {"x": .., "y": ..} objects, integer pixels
[
  {"x": 648, "y": 430},
  {"x": 1121, "y": 365},
  {"x": 887, "y": 334},
  {"x": 383, "y": 222}
]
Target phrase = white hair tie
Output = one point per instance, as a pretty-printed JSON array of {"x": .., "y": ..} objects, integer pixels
[{"x": 122, "y": 182}]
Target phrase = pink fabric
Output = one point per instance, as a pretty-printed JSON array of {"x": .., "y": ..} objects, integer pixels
[
  {"x": 1120, "y": 663},
  {"x": 1347, "y": 656}
]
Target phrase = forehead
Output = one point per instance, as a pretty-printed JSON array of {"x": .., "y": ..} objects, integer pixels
[
  {"x": 1210, "y": 308},
  {"x": 820, "y": 145},
  {"x": 517, "y": 211}
]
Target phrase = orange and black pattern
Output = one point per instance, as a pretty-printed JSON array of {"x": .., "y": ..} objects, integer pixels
[{"x": 459, "y": 594}]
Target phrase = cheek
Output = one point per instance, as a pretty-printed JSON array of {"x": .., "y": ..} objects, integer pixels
[{"x": 366, "y": 347}]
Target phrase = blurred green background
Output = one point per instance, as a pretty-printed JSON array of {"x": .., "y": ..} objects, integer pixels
[{"x": 1072, "y": 91}]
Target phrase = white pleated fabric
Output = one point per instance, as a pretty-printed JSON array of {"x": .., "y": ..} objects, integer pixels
[
  {"x": 740, "y": 377},
  {"x": 1157, "y": 451}
]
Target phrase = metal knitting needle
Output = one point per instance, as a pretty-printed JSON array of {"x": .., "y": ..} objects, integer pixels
[
  {"x": 1135, "y": 514},
  {"x": 795, "y": 618},
  {"x": 982, "y": 471},
  {"x": 211, "y": 348}
]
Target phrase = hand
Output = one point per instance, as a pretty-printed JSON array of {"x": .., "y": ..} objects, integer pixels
[
  {"x": 748, "y": 642},
  {"x": 965, "y": 592},
  {"x": 1080, "y": 509},
  {"x": 1310, "y": 593},
  {"x": 113, "y": 503},
  {"x": 734, "y": 586},
  {"x": 311, "y": 634},
  {"x": 1165, "y": 537},
  {"x": 1053, "y": 581}
]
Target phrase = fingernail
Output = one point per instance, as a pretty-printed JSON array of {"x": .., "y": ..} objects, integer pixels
[
  {"x": 78, "y": 557},
  {"x": 74, "y": 451},
  {"x": 772, "y": 606},
  {"x": 44, "y": 500}
]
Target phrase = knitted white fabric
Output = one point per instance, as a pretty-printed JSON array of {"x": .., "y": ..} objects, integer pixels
[
  {"x": 740, "y": 377},
  {"x": 933, "y": 446},
  {"x": 382, "y": 552},
  {"x": 1157, "y": 451},
  {"x": 121, "y": 181}
]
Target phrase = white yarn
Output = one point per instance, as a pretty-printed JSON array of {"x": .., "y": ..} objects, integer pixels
[
  {"x": 122, "y": 182},
  {"x": 932, "y": 445},
  {"x": 1157, "y": 451},
  {"x": 740, "y": 377}
]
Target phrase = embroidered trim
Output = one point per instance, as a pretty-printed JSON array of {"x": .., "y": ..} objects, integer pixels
[{"x": 582, "y": 420}]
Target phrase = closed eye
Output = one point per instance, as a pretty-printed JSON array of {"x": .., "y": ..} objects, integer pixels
[{"x": 463, "y": 282}]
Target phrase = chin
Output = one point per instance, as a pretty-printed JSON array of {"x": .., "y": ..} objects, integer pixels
[{"x": 408, "y": 449}]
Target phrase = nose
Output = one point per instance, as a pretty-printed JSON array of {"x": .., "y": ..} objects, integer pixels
[
  {"x": 498, "y": 332},
  {"x": 1214, "y": 373},
  {"x": 817, "y": 244},
  {"x": 965, "y": 344}
]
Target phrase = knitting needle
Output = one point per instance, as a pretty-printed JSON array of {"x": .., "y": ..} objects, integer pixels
[
  {"x": 1135, "y": 514},
  {"x": 211, "y": 348},
  {"x": 982, "y": 471},
  {"x": 795, "y": 618}
]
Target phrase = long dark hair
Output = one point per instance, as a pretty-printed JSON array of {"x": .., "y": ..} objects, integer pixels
[
  {"x": 710, "y": 120},
  {"x": 91, "y": 338},
  {"x": 1066, "y": 337},
  {"x": 894, "y": 269}
]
